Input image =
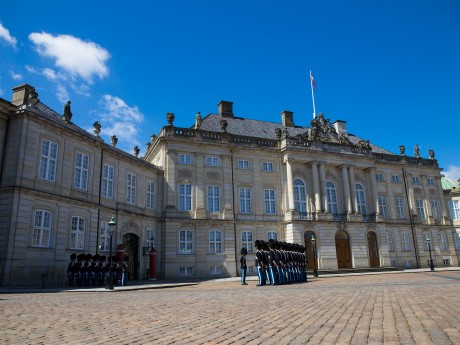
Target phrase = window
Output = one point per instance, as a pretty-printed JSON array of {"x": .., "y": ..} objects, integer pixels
[
  {"x": 42, "y": 229},
  {"x": 48, "y": 160},
  {"x": 427, "y": 245},
  {"x": 272, "y": 235},
  {"x": 405, "y": 244},
  {"x": 245, "y": 200},
  {"x": 430, "y": 181},
  {"x": 445, "y": 262},
  {"x": 185, "y": 197},
  {"x": 185, "y": 159},
  {"x": 435, "y": 209},
  {"x": 215, "y": 242},
  {"x": 269, "y": 199},
  {"x": 454, "y": 208},
  {"x": 395, "y": 179},
  {"x": 415, "y": 180},
  {"x": 185, "y": 242},
  {"x": 457, "y": 241},
  {"x": 246, "y": 241},
  {"x": 104, "y": 237},
  {"x": 383, "y": 209},
  {"x": 243, "y": 164},
  {"x": 150, "y": 235},
  {"x": 391, "y": 245},
  {"x": 267, "y": 166},
  {"x": 300, "y": 196},
  {"x": 81, "y": 170},
  {"x": 379, "y": 177},
  {"x": 215, "y": 270},
  {"x": 131, "y": 197},
  {"x": 400, "y": 208},
  {"x": 186, "y": 271},
  {"x": 212, "y": 161},
  {"x": 213, "y": 199},
  {"x": 332, "y": 205},
  {"x": 149, "y": 198},
  {"x": 107, "y": 181},
  {"x": 361, "y": 199},
  {"x": 420, "y": 208},
  {"x": 442, "y": 240},
  {"x": 77, "y": 233}
]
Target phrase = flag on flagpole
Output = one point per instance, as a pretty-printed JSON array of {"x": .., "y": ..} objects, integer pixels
[{"x": 312, "y": 80}]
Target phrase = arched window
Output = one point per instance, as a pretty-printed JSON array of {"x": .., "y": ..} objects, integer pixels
[
  {"x": 77, "y": 233},
  {"x": 361, "y": 199},
  {"x": 215, "y": 242},
  {"x": 300, "y": 197},
  {"x": 332, "y": 205}
]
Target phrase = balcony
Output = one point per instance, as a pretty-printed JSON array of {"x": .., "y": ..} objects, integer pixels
[
  {"x": 307, "y": 216},
  {"x": 340, "y": 217},
  {"x": 369, "y": 218}
]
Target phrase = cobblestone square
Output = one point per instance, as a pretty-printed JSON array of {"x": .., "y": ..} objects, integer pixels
[{"x": 402, "y": 308}]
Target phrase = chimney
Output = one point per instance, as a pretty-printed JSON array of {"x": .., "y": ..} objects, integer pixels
[
  {"x": 287, "y": 118},
  {"x": 340, "y": 127},
  {"x": 21, "y": 94},
  {"x": 225, "y": 109}
]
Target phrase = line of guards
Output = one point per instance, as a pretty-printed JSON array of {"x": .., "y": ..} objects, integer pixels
[
  {"x": 280, "y": 263},
  {"x": 86, "y": 270}
]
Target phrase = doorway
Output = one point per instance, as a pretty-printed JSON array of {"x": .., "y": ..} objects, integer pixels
[
  {"x": 310, "y": 248},
  {"x": 131, "y": 242},
  {"x": 342, "y": 247},
  {"x": 372, "y": 244}
]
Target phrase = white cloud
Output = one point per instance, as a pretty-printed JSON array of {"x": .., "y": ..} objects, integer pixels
[
  {"x": 61, "y": 93},
  {"x": 5, "y": 35},
  {"x": 84, "y": 59},
  {"x": 16, "y": 76},
  {"x": 116, "y": 117},
  {"x": 452, "y": 172}
]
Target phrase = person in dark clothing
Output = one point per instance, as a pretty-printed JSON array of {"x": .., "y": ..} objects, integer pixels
[{"x": 243, "y": 265}]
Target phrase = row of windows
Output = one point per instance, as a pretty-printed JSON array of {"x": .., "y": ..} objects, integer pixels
[
  {"x": 427, "y": 243},
  {"x": 379, "y": 177},
  {"x": 48, "y": 165},
  {"x": 215, "y": 161},
  {"x": 215, "y": 241}
]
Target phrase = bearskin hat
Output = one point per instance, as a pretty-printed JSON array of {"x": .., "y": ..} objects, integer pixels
[
  {"x": 73, "y": 256},
  {"x": 244, "y": 251}
]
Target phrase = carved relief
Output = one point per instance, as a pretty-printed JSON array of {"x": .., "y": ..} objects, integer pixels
[
  {"x": 298, "y": 172},
  {"x": 213, "y": 175},
  {"x": 130, "y": 227},
  {"x": 358, "y": 177},
  {"x": 184, "y": 173}
]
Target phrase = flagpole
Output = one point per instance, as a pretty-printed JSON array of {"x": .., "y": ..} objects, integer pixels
[{"x": 312, "y": 95}]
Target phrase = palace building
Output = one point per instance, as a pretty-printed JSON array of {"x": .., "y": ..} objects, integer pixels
[{"x": 203, "y": 192}]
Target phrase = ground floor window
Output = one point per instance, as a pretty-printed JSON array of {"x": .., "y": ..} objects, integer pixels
[{"x": 186, "y": 271}]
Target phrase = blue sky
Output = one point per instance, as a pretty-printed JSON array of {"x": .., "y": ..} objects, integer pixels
[{"x": 389, "y": 68}]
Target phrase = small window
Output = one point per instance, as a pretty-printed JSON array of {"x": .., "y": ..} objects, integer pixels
[
  {"x": 379, "y": 177},
  {"x": 212, "y": 161},
  {"x": 215, "y": 270},
  {"x": 185, "y": 158},
  {"x": 430, "y": 181},
  {"x": 185, "y": 242},
  {"x": 415, "y": 180},
  {"x": 186, "y": 271},
  {"x": 395, "y": 179},
  {"x": 445, "y": 262},
  {"x": 150, "y": 194},
  {"x": 267, "y": 166},
  {"x": 272, "y": 235},
  {"x": 243, "y": 164},
  {"x": 391, "y": 246}
]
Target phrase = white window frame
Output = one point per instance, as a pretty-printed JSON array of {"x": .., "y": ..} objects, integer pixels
[
  {"x": 267, "y": 166},
  {"x": 185, "y": 158},
  {"x": 400, "y": 207},
  {"x": 300, "y": 196},
  {"x": 435, "y": 209},
  {"x": 245, "y": 200},
  {"x": 150, "y": 194},
  {"x": 48, "y": 160},
  {"x": 150, "y": 237},
  {"x": 419, "y": 204},
  {"x": 247, "y": 241},
  {"x": 457, "y": 240},
  {"x": 186, "y": 271},
  {"x": 131, "y": 182},
  {"x": 405, "y": 241},
  {"x": 185, "y": 242},
  {"x": 379, "y": 177},
  {"x": 332, "y": 203},
  {"x": 272, "y": 235},
  {"x": 395, "y": 179},
  {"x": 426, "y": 234},
  {"x": 383, "y": 208},
  {"x": 215, "y": 241},
  {"x": 390, "y": 241},
  {"x": 107, "y": 181},
  {"x": 104, "y": 237},
  {"x": 185, "y": 191},
  {"x": 243, "y": 164},
  {"x": 454, "y": 208},
  {"x": 77, "y": 233},
  {"x": 81, "y": 170},
  {"x": 41, "y": 235},
  {"x": 442, "y": 240},
  {"x": 215, "y": 270},
  {"x": 270, "y": 201},
  {"x": 415, "y": 180},
  {"x": 361, "y": 199},
  {"x": 212, "y": 161},
  {"x": 430, "y": 181},
  {"x": 213, "y": 198}
]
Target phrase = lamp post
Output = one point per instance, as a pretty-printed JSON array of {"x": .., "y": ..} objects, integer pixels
[
  {"x": 112, "y": 224},
  {"x": 313, "y": 243},
  {"x": 428, "y": 241}
]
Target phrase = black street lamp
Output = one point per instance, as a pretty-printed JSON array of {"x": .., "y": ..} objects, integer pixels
[
  {"x": 112, "y": 224},
  {"x": 428, "y": 241},
  {"x": 313, "y": 243}
]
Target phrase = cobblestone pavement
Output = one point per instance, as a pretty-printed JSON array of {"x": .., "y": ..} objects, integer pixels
[{"x": 406, "y": 308}]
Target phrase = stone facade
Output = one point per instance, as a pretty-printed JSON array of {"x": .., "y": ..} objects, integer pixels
[{"x": 202, "y": 193}]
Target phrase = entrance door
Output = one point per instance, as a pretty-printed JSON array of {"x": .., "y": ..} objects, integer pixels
[
  {"x": 373, "y": 249},
  {"x": 132, "y": 250},
  {"x": 342, "y": 247},
  {"x": 310, "y": 248}
]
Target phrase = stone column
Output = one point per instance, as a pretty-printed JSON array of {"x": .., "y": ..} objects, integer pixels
[
  {"x": 200, "y": 211},
  {"x": 170, "y": 183},
  {"x": 228, "y": 187},
  {"x": 346, "y": 188},
  {"x": 374, "y": 193},
  {"x": 290, "y": 185},
  {"x": 316, "y": 185},
  {"x": 354, "y": 201},
  {"x": 322, "y": 179}
]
